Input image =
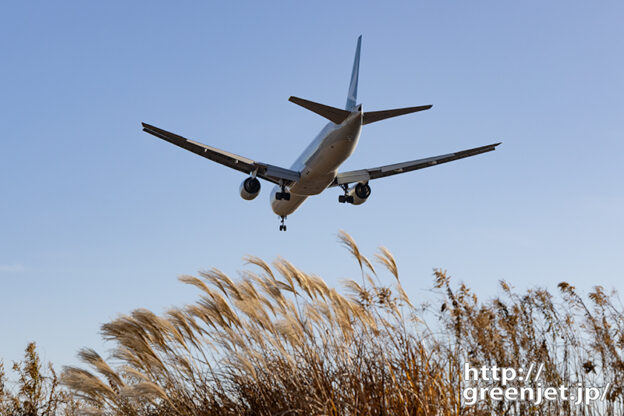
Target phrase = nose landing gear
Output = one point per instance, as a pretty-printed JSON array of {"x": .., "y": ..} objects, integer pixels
[{"x": 282, "y": 225}]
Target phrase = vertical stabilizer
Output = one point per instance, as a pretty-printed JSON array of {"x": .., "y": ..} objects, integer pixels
[{"x": 352, "y": 95}]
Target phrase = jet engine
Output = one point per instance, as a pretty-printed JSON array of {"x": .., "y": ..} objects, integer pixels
[
  {"x": 250, "y": 188},
  {"x": 359, "y": 193}
]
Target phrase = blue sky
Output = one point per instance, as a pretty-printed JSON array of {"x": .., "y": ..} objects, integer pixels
[{"x": 98, "y": 218}]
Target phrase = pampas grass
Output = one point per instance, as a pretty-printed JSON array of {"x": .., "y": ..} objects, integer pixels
[{"x": 279, "y": 341}]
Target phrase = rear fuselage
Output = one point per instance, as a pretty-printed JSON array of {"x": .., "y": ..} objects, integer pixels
[{"x": 319, "y": 162}]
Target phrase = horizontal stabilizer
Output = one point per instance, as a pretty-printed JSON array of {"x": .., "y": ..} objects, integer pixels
[
  {"x": 373, "y": 116},
  {"x": 333, "y": 114}
]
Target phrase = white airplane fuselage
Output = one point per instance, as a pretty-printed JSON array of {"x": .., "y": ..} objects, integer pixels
[
  {"x": 316, "y": 169},
  {"x": 319, "y": 162}
]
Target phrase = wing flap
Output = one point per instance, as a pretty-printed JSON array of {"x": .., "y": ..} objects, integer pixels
[
  {"x": 364, "y": 175},
  {"x": 277, "y": 172},
  {"x": 361, "y": 175},
  {"x": 240, "y": 163}
]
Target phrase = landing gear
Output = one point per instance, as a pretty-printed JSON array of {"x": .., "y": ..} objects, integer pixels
[
  {"x": 345, "y": 198},
  {"x": 282, "y": 225},
  {"x": 283, "y": 194}
]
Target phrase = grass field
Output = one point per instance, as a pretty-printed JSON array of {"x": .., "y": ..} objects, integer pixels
[{"x": 279, "y": 341}]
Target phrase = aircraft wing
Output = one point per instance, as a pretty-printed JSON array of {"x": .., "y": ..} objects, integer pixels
[
  {"x": 265, "y": 171},
  {"x": 364, "y": 175}
]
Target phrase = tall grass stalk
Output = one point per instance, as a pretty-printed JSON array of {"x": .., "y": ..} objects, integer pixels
[{"x": 279, "y": 341}]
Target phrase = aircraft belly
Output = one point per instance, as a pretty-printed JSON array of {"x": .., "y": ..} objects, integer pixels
[
  {"x": 320, "y": 169},
  {"x": 312, "y": 184},
  {"x": 283, "y": 208}
]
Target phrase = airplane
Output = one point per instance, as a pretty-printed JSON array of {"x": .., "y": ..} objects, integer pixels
[{"x": 316, "y": 169}]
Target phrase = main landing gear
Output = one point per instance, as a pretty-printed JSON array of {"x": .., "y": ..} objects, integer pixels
[
  {"x": 282, "y": 225},
  {"x": 345, "y": 198},
  {"x": 283, "y": 195}
]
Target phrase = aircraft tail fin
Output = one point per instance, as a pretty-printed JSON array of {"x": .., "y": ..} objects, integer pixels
[
  {"x": 373, "y": 116},
  {"x": 333, "y": 114},
  {"x": 355, "y": 72},
  {"x": 337, "y": 116}
]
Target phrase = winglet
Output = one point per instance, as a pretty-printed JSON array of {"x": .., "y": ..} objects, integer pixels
[{"x": 353, "y": 85}]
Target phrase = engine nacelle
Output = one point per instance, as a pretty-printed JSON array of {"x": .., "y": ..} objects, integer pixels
[
  {"x": 250, "y": 188},
  {"x": 360, "y": 193}
]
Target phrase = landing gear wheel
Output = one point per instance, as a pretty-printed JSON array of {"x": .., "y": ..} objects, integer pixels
[
  {"x": 346, "y": 198},
  {"x": 283, "y": 194},
  {"x": 282, "y": 225}
]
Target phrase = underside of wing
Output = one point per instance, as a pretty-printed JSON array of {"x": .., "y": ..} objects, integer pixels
[
  {"x": 265, "y": 171},
  {"x": 364, "y": 175}
]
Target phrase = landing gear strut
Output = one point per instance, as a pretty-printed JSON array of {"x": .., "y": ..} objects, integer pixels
[
  {"x": 283, "y": 194},
  {"x": 345, "y": 198},
  {"x": 282, "y": 225}
]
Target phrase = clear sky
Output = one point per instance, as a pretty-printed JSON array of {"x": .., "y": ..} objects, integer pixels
[{"x": 98, "y": 218}]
